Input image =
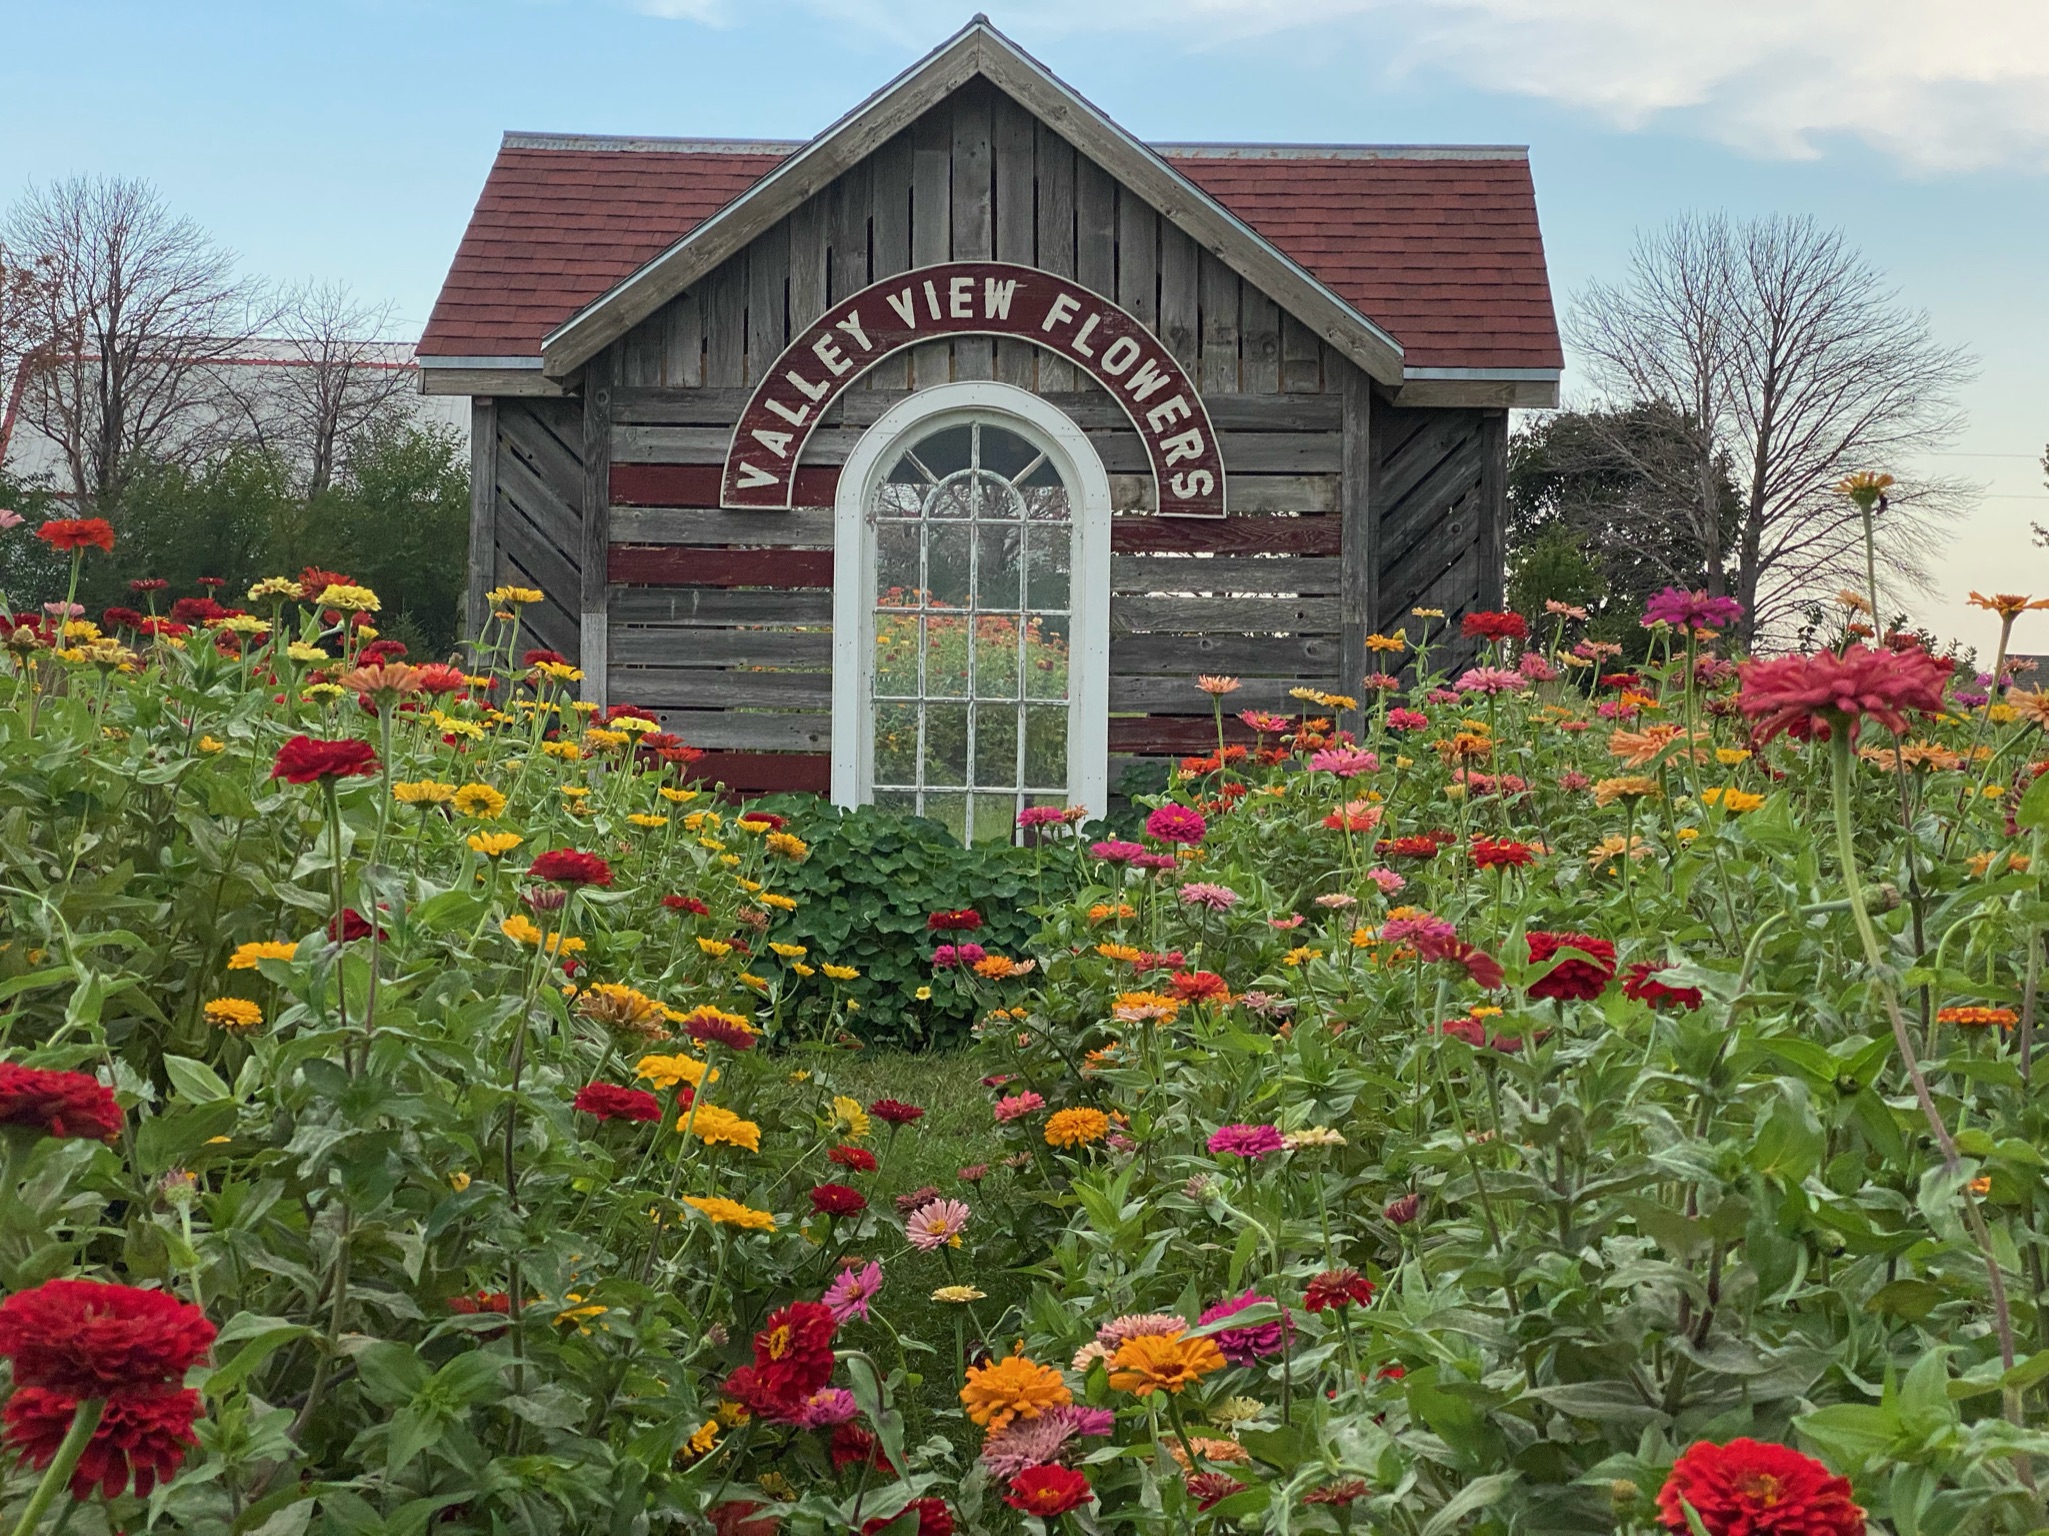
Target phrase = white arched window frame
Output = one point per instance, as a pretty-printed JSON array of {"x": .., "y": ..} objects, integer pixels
[{"x": 854, "y": 577}]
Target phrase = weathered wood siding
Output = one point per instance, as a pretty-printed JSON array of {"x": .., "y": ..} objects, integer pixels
[
  {"x": 721, "y": 621},
  {"x": 536, "y": 516}
]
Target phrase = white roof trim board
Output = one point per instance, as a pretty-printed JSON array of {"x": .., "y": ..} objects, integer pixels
[{"x": 978, "y": 49}]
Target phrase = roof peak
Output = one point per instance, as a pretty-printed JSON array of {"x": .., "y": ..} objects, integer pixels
[{"x": 643, "y": 144}]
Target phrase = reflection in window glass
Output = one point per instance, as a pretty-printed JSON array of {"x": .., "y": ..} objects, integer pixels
[{"x": 974, "y": 540}]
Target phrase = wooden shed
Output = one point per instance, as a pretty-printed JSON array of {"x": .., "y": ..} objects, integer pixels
[{"x": 928, "y": 461}]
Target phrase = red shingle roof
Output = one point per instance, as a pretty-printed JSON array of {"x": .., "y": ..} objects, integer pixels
[{"x": 1441, "y": 251}]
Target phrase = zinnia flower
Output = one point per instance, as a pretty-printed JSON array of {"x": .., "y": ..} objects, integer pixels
[
  {"x": 1250, "y": 1142},
  {"x": 713, "y": 1124},
  {"x": 1048, "y": 1491},
  {"x": 792, "y": 1359},
  {"x": 934, "y": 1518},
  {"x": 1208, "y": 1488},
  {"x": 1033, "y": 1442},
  {"x": 1246, "y": 1346},
  {"x": 1163, "y": 1363},
  {"x": 1574, "y": 979},
  {"x": 936, "y": 1224},
  {"x": 837, "y": 1200},
  {"x": 962, "y": 920},
  {"x": 1076, "y": 1127},
  {"x": 895, "y": 1112},
  {"x": 1501, "y": 853},
  {"x": 1011, "y": 1388},
  {"x": 1203, "y": 893},
  {"x": 1345, "y": 762},
  {"x": 63, "y": 1105},
  {"x": 303, "y": 760},
  {"x": 78, "y": 533},
  {"x": 1115, "y": 852},
  {"x": 566, "y": 866},
  {"x": 1641, "y": 984},
  {"x": 1338, "y": 1288},
  {"x": 609, "y": 1101},
  {"x": 853, "y": 1289},
  {"x": 1176, "y": 824},
  {"x": 1751, "y": 1488},
  {"x": 1494, "y": 626},
  {"x": 141, "y": 1439},
  {"x": 1691, "y": 610},
  {"x": 1017, "y": 1105},
  {"x": 826, "y": 1407},
  {"x": 859, "y": 1159},
  {"x": 1806, "y": 696},
  {"x": 85, "y": 1338}
]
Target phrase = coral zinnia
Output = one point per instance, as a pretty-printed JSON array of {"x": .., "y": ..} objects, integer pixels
[
  {"x": 1171, "y": 1362},
  {"x": 1806, "y": 696},
  {"x": 78, "y": 533},
  {"x": 142, "y": 1436},
  {"x": 85, "y": 1338},
  {"x": 1751, "y": 1488},
  {"x": 567, "y": 866},
  {"x": 1573, "y": 979},
  {"x": 65, "y": 1105},
  {"x": 1047, "y": 1491},
  {"x": 1011, "y": 1388},
  {"x": 303, "y": 760},
  {"x": 1642, "y": 984},
  {"x": 608, "y": 1101}
]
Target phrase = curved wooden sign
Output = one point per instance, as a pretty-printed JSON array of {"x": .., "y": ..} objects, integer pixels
[{"x": 977, "y": 298}]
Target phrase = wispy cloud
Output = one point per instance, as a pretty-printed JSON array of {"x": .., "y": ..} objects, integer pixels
[{"x": 1935, "y": 84}]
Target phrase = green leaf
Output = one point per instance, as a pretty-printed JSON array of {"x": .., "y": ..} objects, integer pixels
[
  {"x": 2033, "y": 810},
  {"x": 1480, "y": 1493},
  {"x": 1911, "y": 1300},
  {"x": 196, "y": 1080}
]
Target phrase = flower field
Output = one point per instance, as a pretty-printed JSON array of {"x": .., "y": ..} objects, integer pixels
[{"x": 1534, "y": 1097}]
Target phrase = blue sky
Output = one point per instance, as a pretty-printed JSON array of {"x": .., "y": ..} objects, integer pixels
[{"x": 347, "y": 139}]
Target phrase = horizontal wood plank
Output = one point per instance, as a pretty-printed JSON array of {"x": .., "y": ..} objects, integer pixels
[
  {"x": 1120, "y": 451},
  {"x": 697, "y": 486},
  {"x": 1171, "y": 695},
  {"x": 1223, "y": 615},
  {"x": 718, "y": 606},
  {"x": 710, "y": 688},
  {"x": 1251, "y": 535},
  {"x": 1225, "y": 573},
  {"x": 746, "y": 730},
  {"x": 799, "y": 528},
  {"x": 766, "y": 773},
  {"x": 684, "y": 565},
  {"x": 1237, "y": 655},
  {"x": 1092, "y": 410},
  {"x": 1173, "y": 735},
  {"x": 673, "y": 645},
  {"x": 1242, "y": 492}
]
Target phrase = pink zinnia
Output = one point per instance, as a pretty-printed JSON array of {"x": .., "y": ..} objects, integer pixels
[
  {"x": 853, "y": 1289},
  {"x": 1017, "y": 1106},
  {"x": 948, "y": 956},
  {"x": 936, "y": 1224},
  {"x": 1490, "y": 680},
  {"x": 1120, "y": 1331},
  {"x": 1245, "y": 1346},
  {"x": 1345, "y": 762},
  {"x": 1041, "y": 1441},
  {"x": 827, "y": 1407},
  {"x": 1116, "y": 852},
  {"x": 1387, "y": 880},
  {"x": 1155, "y": 861},
  {"x": 1176, "y": 824},
  {"x": 1806, "y": 696},
  {"x": 1407, "y": 720},
  {"x": 1202, "y": 893},
  {"x": 1536, "y": 668},
  {"x": 1247, "y": 1141},
  {"x": 1041, "y": 816},
  {"x": 1422, "y": 926}
]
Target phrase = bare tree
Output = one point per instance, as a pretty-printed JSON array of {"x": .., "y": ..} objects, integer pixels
[
  {"x": 136, "y": 312},
  {"x": 1796, "y": 366},
  {"x": 332, "y": 383}
]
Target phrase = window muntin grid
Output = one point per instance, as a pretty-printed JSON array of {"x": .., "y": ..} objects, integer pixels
[{"x": 973, "y": 537}]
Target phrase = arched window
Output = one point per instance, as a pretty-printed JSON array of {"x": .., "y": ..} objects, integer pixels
[{"x": 971, "y": 623}]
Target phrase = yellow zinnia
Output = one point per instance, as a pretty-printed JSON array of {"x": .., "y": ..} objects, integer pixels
[
  {"x": 479, "y": 802},
  {"x": 494, "y": 845},
  {"x": 712, "y": 1124},
  {"x": 422, "y": 792},
  {"x": 848, "y": 1114},
  {"x": 233, "y": 1014},
  {"x": 668, "y": 1071},
  {"x": 1076, "y": 1127},
  {"x": 246, "y": 956},
  {"x": 731, "y": 1212}
]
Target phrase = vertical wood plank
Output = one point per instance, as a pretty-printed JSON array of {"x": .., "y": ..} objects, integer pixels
[
  {"x": 890, "y": 246},
  {"x": 594, "y": 652},
  {"x": 768, "y": 282},
  {"x": 974, "y": 222},
  {"x": 1359, "y": 580},
  {"x": 932, "y": 227},
  {"x": 1095, "y": 227},
  {"x": 1138, "y": 259},
  {"x": 641, "y": 364},
  {"x": 1301, "y": 358},
  {"x": 1016, "y": 218},
  {"x": 683, "y": 346},
  {"x": 1493, "y": 509},
  {"x": 1260, "y": 319},
  {"x": 1219, "y": 327},
  {"x": 483, "y": 519},
  {"x": 808, "y": 241},
  {"x": 847, "y": 203},
  {"x": 1055, "y": 234},
  {"x": 725, "y": 325},
  {"x": 1180, "y": 297}
]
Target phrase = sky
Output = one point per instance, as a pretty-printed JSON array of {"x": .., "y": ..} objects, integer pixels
[{"x": 346, "y": 140}]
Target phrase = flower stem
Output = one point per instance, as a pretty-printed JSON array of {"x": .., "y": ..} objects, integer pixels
[{"x": 84, "y": 1420}]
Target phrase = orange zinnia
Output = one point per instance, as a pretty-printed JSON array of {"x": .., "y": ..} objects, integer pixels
[
  {"x": 1012, "y": 1388},
  {"x": 1163, "y": 1363},
  {"x": 1975, "y": 1017}
]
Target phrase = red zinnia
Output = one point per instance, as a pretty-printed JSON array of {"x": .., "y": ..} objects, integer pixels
[
  {"x": 1641, "y": 984},
  {"x": 351, "y": 926},
  {"x": 708, "y": 1026},
  {"x": 78, "y": 533},
  {"x": 860, "y": 1159},
  {"x": 198, "y": 610},
  {"x": 1407, "y": 847},
  {"x": 535, "y": 658},
  {"x": 1805, "y": 696},
  {"x": 148, "y": 584},
  {"x": 1574, "y": 980},
  {"x": 1751, "y": 1488},
  {"x": 440, "y": 677},
  {"x": 964, "y": 920},
  {"x": 66, "y": 1105},
  {"x": 837, "y": 1200},
  {"x": 1494, "y": 626},
  {"x": 566, "y": 866},
  {"x": 1047, "y": 1490},
  {"x": 142, "y": 1436},
  {"x": 934, "y": 1518},
  {"x": 895, "y": 1111},
  {"x": 1199, "y": 986},
  {"x": 85, "y": 1338},
  {"x": 1501, "y": 853},
  {"x": 737, "y": 1517},
  {"x": 686, "y": 904},
  {"x": 482, "y": 1302},
  {"x": 852, "y": 1445},
  {"x": 303, "y": 760},
  {"x": 608, "y": 1101},
  {"x": 1208, "y": 1488},
  {"x": 793, "y": 1351},
  {"x": 1337, "y": 1288}
]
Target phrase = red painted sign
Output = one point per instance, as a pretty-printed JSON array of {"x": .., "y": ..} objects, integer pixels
[{"x": 977, "y": 298}]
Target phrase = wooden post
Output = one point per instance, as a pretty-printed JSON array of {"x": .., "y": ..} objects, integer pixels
[
  {"x": 594, "y": 641},
  {"x": 1493, "y": 531},
  {"x": 1358, "y": 599},
  {"x": 483, "y": 568}
]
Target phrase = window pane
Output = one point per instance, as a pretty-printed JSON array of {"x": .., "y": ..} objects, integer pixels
[
  {"x": 1045, "y": 669},
  {"x": 946, "y": 656},
  {"x": 896, "y": 800},
  {"x": 946, "y": 743},
  {"x": 1046, "y": 748},
  {"x": 1005, "y": 453},
  {"x": 896, "y": 743},
  {"x": 995, "y": 746},
  {"x": 896, "y": 657},
  {"x": 996, "y": 658},
  {"x": 946, "y": 563},
  {"x": 996, "y": 565},
  {"x": 945, "y": 452},
  {"x": 1047, "y": 552},
  {"x": 896, "y": 564},
  {"x": 995, "y": 818},
  {"x": 1045, "y": 503},
  {"x": 950, "y": 811}
]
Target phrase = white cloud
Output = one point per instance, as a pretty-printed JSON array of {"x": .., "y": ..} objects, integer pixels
[
  {"x": 709, "y": 13},
  {"x": 1935, "y": 84}
]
